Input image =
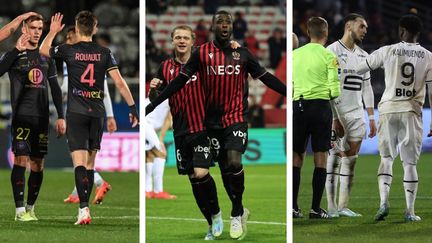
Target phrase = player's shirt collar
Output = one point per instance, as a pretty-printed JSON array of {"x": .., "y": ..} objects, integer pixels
[
  {"x": 410, "y": 43},
  {"x": 344, "y": 46},
  {"x": 216, "y": 44}
]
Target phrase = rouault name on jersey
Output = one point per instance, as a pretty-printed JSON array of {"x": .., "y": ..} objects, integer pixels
[
  {"x": 222, "y": 70},
  {"x": 87, "y": 57},
  {"x": 408, "y": 53}
]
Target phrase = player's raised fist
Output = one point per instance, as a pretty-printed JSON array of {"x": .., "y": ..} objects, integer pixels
[{"x": 155, "y": 83}]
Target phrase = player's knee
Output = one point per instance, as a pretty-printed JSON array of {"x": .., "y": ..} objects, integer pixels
[
  {"x": 199, "y": 173},
  {"x": 234, "y": 159},
  {"x": 21, "y": 160},
  {"x": 36, "y": 164}
]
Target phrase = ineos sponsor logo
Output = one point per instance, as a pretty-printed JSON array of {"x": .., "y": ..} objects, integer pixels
[{"x": 222, "y": 70}]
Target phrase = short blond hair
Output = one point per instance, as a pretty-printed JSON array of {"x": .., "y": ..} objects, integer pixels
[{"x": 183, "y": 27}]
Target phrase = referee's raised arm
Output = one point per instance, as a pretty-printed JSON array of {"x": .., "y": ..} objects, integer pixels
[{"x": 315, "y": 83}]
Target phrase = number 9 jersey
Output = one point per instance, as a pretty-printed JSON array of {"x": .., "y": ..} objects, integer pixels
[
  {"x": 407, "y": 67},
  {"x": 353, "y": 86},
  {"x": 87, "y": 64}
]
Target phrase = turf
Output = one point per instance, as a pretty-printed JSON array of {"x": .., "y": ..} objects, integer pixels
[
  {"x": 365, "y": 200},
  {"x": 180, "y": 220},
  {"x": 116, "y": 220}
]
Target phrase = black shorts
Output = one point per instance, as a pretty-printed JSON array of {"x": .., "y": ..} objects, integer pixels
[
  {"x": 234, "y": 137},
  {"x": 192, "y": 151},
  {"x": 30, "y": 136},
  {"x": 83, "y": 132},
  {"x": 311, "y": 118}
]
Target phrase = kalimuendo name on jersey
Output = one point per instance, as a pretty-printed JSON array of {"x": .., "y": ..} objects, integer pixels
[{"x": 408, "y": 53}]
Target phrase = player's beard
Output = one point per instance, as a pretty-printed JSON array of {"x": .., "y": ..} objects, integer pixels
[{"x": 356, "y": 39}]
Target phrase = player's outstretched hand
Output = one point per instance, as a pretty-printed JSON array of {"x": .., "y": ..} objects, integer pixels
[
  {"x": 56, "y": 23},
  {"x": 430, "y": 133},
  {"x": 60, "y": 127},
  {"x": 111, "y": 125},
  {"x": 133, "y": 115},
  {"x": 22, "y": 41},
  {"x": 155, "y": 83},
  {"x": 372, "y": 128}
]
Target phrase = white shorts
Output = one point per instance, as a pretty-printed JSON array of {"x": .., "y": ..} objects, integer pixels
[
  {"x": 400, "y": 133},
  {"x": 151, "y": 138},
  {"x": 355, "y": 131}
]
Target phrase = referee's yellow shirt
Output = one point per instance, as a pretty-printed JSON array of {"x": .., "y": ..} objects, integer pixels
[{"x": 315, "y": 73}]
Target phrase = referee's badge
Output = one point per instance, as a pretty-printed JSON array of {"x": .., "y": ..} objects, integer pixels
[{"x": 236, "y": 55}]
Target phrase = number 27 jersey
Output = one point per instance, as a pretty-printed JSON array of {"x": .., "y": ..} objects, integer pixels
[
  {"x": 87, "y": 64},
  {"x": 352, "y": 84},
  {"x": 407, "y": 66}
]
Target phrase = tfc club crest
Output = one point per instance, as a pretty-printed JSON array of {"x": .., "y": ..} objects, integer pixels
[{"x": 236, "y": 55}]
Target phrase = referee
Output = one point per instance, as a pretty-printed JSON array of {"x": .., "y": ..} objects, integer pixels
[{"x": 315, "y": 83}]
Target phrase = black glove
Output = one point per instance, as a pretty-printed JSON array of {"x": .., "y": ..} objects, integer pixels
[
  {"x": 149, "y": 108},
  {"x": 133, "y": 111}
]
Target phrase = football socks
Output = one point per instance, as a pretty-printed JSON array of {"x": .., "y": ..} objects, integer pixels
[
  {"x": 318, "y": 184},
  {"x": 385, "y": 177},
  {"x": 18, "y": 184},
  {"x": 82, "y": 184},
  {"x": 34, "y": 185}
]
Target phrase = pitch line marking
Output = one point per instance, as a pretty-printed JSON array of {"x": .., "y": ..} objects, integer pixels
[
  {"x": 202, "y": 220},
  {"x": 96, "y": 217}
]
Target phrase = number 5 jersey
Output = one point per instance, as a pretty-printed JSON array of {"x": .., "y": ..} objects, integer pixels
[{"x": 354, "y": 87}]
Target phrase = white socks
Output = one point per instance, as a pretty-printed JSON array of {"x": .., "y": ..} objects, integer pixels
[
  {"x": 346, "y": 179},
  {"x": 98, "y": 181},
  {"x": 158, "y": 170},
  {"x": 410, "y": 185},
  {"x": 20, "y": 210},
  {"x": 385, "y": 176},
  {"x": 333, "y": 167},
  {"x": 149, "y": 177}
]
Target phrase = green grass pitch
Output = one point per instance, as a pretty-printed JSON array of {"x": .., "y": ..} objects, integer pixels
[
  {"x": 180, "y": 220},
  {"x": 116, "y": 220},
  {"x": 365, "y": 200}
]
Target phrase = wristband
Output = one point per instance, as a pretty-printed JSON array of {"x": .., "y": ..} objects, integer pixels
[
  {"x": 371, "y": 117},
  {"x": 133, "y": 110}
]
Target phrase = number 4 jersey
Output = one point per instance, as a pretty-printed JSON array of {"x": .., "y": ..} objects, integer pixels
[
  {"x": 87, "y": 64},
  {"x": 407, "y": 67},
  {"x": 352, "y": 85}
]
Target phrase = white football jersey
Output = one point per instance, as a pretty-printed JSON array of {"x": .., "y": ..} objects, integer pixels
[
  {"x": 352, "y": 85},
  {"x": 407, "y": 66},
  {"x": 158, "y": 115}
]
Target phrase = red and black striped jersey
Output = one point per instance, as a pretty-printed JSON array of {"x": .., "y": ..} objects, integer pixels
[
  {"x": 224, "y": 77},
  {"x": 187, "y": 105}
]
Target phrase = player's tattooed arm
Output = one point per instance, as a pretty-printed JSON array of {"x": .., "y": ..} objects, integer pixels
[{"x": 11, "y": 27}]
